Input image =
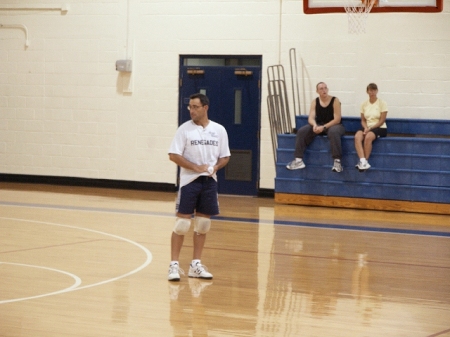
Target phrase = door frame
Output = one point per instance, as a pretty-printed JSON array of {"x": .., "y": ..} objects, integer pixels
[{"x": 202, "y": 62}]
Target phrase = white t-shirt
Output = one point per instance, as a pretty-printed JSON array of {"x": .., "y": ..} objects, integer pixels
[
  {"x": 200, "y": 146},
  {"x": 372, "y": 112}
]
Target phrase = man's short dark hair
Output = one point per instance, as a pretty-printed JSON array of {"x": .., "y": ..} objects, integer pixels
[{"x": 203, "y": 98}]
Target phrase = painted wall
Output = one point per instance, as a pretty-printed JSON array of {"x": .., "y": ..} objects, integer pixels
[{"x": 65, "y": 110}]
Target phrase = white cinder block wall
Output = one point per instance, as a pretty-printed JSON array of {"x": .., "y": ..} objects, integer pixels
[{"x": 64, "y": 112}]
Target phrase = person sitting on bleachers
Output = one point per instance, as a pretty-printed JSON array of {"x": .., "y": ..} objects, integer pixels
[
  {"x": 324, "y": 119},
  {"x": 373, "y": 121}
]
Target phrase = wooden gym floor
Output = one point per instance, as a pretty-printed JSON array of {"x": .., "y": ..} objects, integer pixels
[{"x": 93, "y": 262}]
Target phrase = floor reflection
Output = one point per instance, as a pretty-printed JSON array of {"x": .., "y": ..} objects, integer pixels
[
  {"x": 187, "y": 311},
  {"x": 121, "y": 304}
]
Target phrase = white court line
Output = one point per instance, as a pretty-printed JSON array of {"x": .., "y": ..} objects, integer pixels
[
  {"x": 73, "y": 288},
  {"x": 75, "y": 277}
]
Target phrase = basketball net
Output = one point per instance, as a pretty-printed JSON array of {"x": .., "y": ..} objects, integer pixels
[{"x": 357, "y": 13}]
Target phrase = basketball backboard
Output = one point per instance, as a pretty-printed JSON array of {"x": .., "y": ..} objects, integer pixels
[{"x": 337, "y": 6}]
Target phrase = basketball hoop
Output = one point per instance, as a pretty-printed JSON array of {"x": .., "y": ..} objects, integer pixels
[{"x": 357, "y": 13}]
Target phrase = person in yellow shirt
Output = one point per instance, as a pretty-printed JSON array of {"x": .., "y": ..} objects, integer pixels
[{"x": 373, "y": 122}]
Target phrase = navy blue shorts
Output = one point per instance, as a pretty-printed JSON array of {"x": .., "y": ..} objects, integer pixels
[{"x": 200, "y": 196}]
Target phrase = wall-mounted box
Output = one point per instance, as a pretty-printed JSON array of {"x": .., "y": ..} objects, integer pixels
[{"x": 123, "y": 65}]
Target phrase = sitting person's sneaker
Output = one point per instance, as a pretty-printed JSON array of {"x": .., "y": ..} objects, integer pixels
[
  {"x": 296, "y": 164},
  {"x": 174, "y": 272},
  {"x": 362, "y": 166},
  {"x": 337, "y": 167},
  {"x": 199, "y": 271}
]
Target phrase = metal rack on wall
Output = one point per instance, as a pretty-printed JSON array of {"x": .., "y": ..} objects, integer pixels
[{"x": 277, "y": 100}]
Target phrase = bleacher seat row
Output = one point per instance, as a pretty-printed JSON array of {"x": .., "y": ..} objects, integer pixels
[{"x": 411, "y": 164}]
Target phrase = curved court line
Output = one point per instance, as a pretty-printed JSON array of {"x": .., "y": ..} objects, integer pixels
[
  {"x": 134, "y": 271},
  {"x": 75, "y": 277}
]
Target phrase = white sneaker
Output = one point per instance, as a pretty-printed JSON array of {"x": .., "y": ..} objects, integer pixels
[
  {"x": 199, "y": 271},
  {"x": 296, "y": 165},
  {"x": 174, "y": 272},
  {"x": 363, "y": 167},
  {"x": 337, "y": 167}
]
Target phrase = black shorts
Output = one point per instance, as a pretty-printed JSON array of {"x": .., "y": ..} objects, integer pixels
[
  {"x": 379, "y": 132},
  {"x": 198, "y": 196}
]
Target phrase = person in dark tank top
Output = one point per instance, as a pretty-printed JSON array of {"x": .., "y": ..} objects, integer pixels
[{"x": 324, "y": 119}]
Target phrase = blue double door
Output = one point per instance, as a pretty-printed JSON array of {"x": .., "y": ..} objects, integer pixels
[{"x": 233, "y": 86}]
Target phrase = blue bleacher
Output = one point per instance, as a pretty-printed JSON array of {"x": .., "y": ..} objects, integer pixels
[{"x": 411, "y": 164}]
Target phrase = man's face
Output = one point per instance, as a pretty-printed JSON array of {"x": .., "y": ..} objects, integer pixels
[
  {"x": 322, "y": 89},
  {"x": 197, "y": 110}
]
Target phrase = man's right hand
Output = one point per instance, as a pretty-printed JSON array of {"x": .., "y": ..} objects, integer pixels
[{"x": 201, "y": 168}]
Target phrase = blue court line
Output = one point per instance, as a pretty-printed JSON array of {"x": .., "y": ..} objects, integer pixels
[
  {"x": 248, "y": 220},
  {"x": 341, "y": 227}
]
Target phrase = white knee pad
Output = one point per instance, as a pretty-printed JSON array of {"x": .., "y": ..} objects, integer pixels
[
  {"x": 202, "y": 225},
  {"x": 182, "y": 226}
]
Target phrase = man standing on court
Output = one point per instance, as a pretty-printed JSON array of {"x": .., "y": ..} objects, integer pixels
[
  {"x": 200, "y": 148},
  {"x": 324, "y": 119}
]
